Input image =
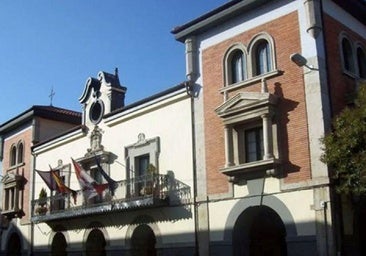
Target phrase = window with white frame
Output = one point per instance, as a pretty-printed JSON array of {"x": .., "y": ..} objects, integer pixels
[
  {"x": 250, "y": 133},
  {"x": 59, "y": 202},
  {"x": 347, "y": 53},
  {"x": 16, "y": 154},
  {"x": 20, "y": 153},
  {"x": 236, "y": 70},
  {"x": 262, "y": 54},
  {"x": 353, "y": 57},
  {"x": 248, "y": 139},
  {"x": 140, "y": 158},
  {"x": 262, "y": 58},
  {"x": 244, "y": 65},
  {"x": 12, "y": 195},
  {"x": 13, "y": 155}
]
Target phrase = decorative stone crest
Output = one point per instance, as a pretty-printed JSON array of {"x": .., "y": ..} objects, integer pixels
[
  {"x": 141, "y": 139},
  {"x": 95, "y": 140}
]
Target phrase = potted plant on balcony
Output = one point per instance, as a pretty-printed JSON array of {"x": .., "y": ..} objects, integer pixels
[{"x": 42, "y": 202}]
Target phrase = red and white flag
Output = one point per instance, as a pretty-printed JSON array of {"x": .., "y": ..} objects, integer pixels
[{"x": 88, "y": 185}]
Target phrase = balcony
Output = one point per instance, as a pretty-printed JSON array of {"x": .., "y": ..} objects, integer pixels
[{"x": 142, "y": 192}]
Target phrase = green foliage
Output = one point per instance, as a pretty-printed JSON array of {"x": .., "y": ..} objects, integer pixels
[
  {"x": 42, "y": 194},
  {"x": 345, "y": 148},
  {"x": 42, "y": 197}
]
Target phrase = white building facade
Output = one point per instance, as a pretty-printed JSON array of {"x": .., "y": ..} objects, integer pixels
[{"x": 146, "y": 148}]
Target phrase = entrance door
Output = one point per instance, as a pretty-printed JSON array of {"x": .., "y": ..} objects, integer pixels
[
  {"x": 143, "y": 241},
  {"x": 59, "y": 245},
  {"x": 95, "y": 244},
  {"x": 14, "y": 245},
  {"x": 141, "y": 164},
  {"x": 259, "y": 231}
]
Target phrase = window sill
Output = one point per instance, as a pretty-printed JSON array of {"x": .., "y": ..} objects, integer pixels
[
  {"x": 14, "y": 167},
  {"x": 247, "y": 170},
  {"x": 10, "y": 214},
  {"x": 251, "y": 80}
]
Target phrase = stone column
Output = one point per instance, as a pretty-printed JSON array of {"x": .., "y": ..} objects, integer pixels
[
  {"x": 267, "y": 136},
  {"x": 228, "y": 146}
]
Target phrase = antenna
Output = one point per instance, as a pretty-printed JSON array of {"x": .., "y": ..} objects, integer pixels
[{"x": 52, "y": 94}]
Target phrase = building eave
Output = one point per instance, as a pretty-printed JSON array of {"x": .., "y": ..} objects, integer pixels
[
  {"x": 215, "y": 17},
  {"x": 63, "y": 138},
  {"x": 48, "y": 112},
  {"x": 356, "y": 8}
]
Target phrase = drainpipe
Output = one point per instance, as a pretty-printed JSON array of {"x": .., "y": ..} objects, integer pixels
[
  {"x": 190, "y": 87},
  {"x": 35, "y": 138},
  {"x": 325, "y": 228}
]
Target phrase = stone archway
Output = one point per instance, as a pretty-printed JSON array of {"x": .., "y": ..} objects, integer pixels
[
  {"x": 59, "y": 245},
  {"x": 143, "y": 241},
  {"x": 14, "y": 246},
  {"x": 95, "y": 243},
  {"x": 259, "y": 231}
]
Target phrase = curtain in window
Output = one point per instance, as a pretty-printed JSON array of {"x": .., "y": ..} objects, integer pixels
[
  {"x": 263, "y": 58},
  {"x": 254, "y": 144},
  {"x": 237, "y": 67}
]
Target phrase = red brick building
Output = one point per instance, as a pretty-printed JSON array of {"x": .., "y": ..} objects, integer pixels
[
  {"x": 17, "y": 136},
  {"x": 269, "y": 76}
]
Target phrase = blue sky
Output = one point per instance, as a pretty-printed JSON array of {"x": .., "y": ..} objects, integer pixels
[{"x": 58, "y": 44}]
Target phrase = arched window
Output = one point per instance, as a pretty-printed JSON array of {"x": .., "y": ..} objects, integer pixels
[
  {"x": 237, "y": 67},
  {"x": 20, "y": 154},
  {"x": 262, "y": 58},
  {"x": 347, "y": 54},
  {"x": 361, "y": 62},
  {"x": 13, "y": 155}
]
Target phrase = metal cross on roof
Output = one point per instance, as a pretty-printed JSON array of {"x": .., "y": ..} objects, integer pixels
[{"x": 52, "y": 94}]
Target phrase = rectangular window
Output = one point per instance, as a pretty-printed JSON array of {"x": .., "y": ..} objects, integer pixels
[
  {"x": 58, "y": 203},
  {"x": 250, "y": 144},
  {"x": 9, "y": 203},
  {"x": 142, "y": 163},
  {"x": 254, "y": 144}
]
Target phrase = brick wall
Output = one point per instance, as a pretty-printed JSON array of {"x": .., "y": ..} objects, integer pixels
[
  {"x": 340, "y": 84},
  {"x": 25, "y": 136},
  {"x": 291, "y": 117}
]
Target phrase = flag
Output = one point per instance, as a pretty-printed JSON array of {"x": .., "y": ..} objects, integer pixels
[
  {"x": 61, "y": 187},
  {"x": 112, "y": 184},
  {"x": 88, "y": 185},
  {"x": 48, "y": 179}
]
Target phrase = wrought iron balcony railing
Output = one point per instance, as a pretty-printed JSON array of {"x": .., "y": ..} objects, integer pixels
[{"x": 144, "y": 191}]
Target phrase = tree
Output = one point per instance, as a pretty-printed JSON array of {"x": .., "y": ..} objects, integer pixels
[{"x": 345, "y": 148}]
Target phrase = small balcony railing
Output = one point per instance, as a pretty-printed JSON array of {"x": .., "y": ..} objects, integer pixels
[{"x": 144, "y": 191}]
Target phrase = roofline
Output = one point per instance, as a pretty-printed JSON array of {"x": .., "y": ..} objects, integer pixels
[
  {"x": 215, "y": 17},
  {"x": 145, "y": 100},
  {"x": 82, "y": 129},
  {"x": 355, "y": 7},
  {"x": 41, "y": 111}
]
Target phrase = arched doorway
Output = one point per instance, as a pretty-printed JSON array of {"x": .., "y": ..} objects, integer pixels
[
  {"x": 14, "y": 245},
  {"x": 143, "y": 241},
  {"x": 259, "y": 231},
  {"x": 95, "y": 243},
  {"x": 59, "y": 245}
]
